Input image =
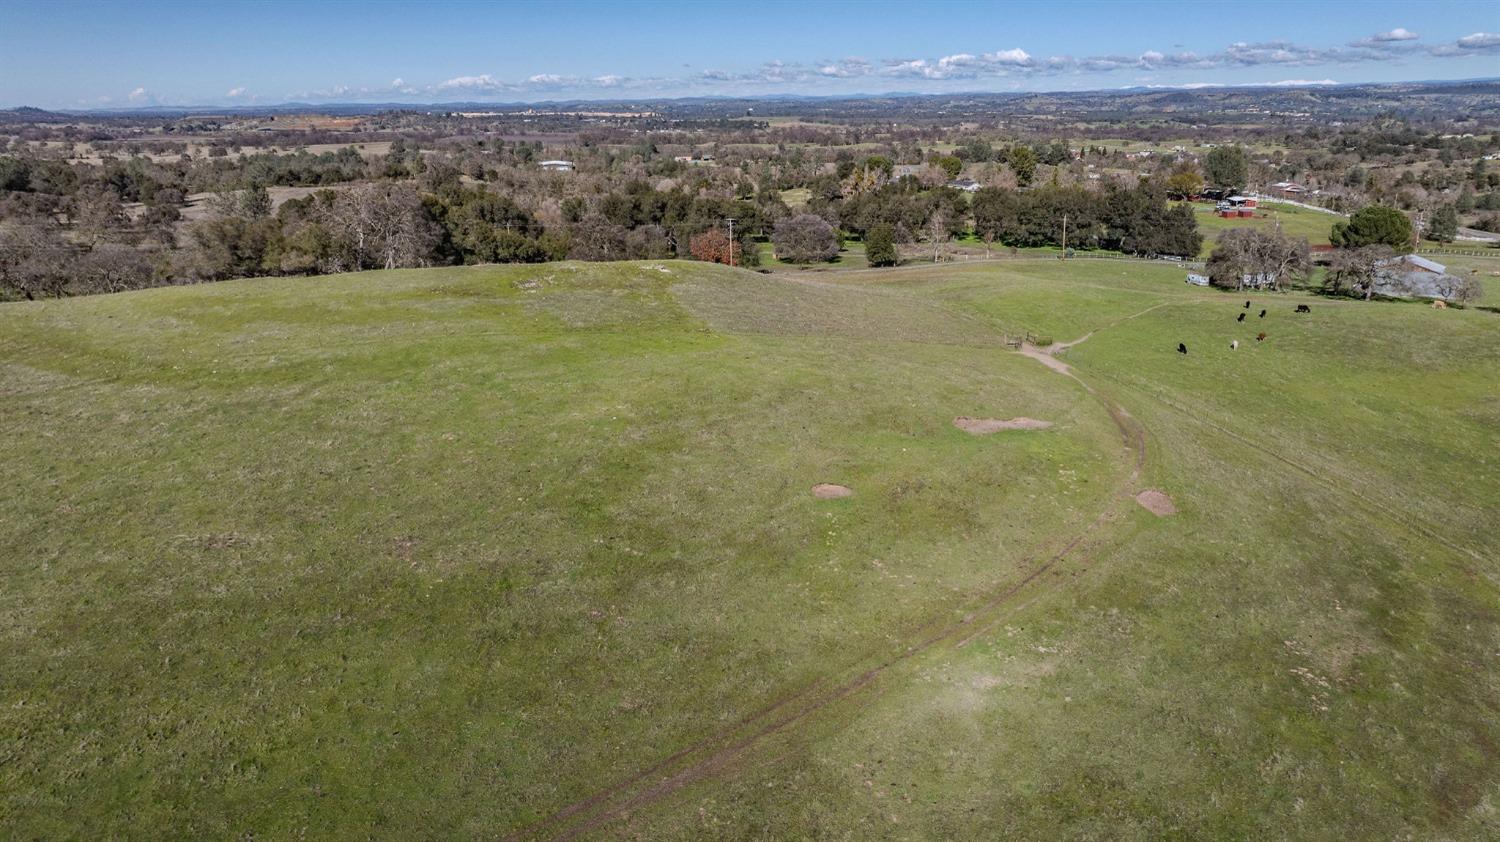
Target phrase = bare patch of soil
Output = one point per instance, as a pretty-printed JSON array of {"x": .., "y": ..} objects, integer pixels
[
  {"x": 1045, "y": 359},
  {"x": 985, "y": 426},
  {"x": 1156, "y": 502},
  {"x": 830, "y": 491}
]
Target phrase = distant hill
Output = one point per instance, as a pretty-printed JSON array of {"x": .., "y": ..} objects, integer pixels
[{"x": 28, "y": 114}]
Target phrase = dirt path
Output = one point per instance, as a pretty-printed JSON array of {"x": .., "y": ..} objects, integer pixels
[{"x": 717, "y": 753}]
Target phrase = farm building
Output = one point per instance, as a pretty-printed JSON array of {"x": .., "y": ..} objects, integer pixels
[
  {"x": 1264, "y": 280},
  {"x": 968, "y": 185},
  {"x": 557, "y": 166},
  {"x": 1414, "y": 276},
  {"x": 1288, "y": 189},
  {"x": 1236, "y": 206}
]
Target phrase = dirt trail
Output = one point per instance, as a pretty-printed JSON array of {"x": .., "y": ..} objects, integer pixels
[{"x": 717, "y": 753}]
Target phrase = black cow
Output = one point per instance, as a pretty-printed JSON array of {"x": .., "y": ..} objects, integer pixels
[
  {"x": 1263, "y": 314},
  {"x": 1303, "y": 308},
  {"x": 1247, "y": 305},
  {"x": 1181, "y": 348},
  {"x": 1241, "y": 318}
]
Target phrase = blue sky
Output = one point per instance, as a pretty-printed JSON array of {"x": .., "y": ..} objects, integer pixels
[{"x": 105, "y": 55}]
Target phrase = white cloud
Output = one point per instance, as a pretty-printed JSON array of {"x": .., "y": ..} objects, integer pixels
[
  {"x": 1297, "y": 83},
  {"x": 236, "y": 92},
  {"x": 844, "y": 69},
  {"x": 1014, "y": 56},
  {"x": 1395, "y": 36},
  {"x": 140, "y": 95},
  {"x": 482, "y": 82},
  {"x": 914, "y": 67},
  {"x": 1479, "y": 41},
  {"x": 1002, "y": 68}
]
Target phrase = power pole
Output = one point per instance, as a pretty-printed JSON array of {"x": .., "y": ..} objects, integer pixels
[
  {"x": 1065, "y": 237},
  {"x": 731, "y": 240}
]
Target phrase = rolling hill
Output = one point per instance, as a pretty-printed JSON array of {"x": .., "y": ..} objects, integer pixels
[{"x": 533, "y": 552}]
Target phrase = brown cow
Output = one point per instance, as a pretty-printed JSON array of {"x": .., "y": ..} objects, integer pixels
[{"x": 1260, "y": 336}]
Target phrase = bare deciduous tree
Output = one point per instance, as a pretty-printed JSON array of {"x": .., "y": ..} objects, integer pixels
[
  {"x": 112, "y": 267},
  {"x": 383, "y": 225},
  {"x": 1355, "y": 271},
  {"x": 937, "y": 231},
  {"x": 33, "y": 258},
  {"x": 805, "y": 238},
  {"x": 1250, "y": 254}
]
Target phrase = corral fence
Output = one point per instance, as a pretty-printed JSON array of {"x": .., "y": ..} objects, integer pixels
[
  {"x": 965, "y": 253},
  {"x": 1016, "y": 340},
  {"x": 1484, "y": 252}
]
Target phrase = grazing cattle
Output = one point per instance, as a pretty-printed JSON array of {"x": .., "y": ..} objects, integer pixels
[
  {"x": 1241, "y": 318},
  {"x": 1235, "y": 345},
  {"x": 1263, "y": 314},
  {"x": 1303, "y": 308},
  {"x": 1260, "y": 336},
  {"x": 1439, "y": 304},
  {"x": 1181, "y": 348},
  {"x": 1247, "y": 305}
]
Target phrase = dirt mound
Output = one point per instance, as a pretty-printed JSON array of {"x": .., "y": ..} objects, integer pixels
[
  {"x": 985, "y": 426},
  {"x": 1156, "y": 502},
  {"x": 829, "y": 491}
]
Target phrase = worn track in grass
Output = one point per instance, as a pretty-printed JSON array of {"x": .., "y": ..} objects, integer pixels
[{"x": 717, "y": 753}]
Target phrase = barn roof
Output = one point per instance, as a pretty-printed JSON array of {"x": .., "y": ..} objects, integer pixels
[
  {"x": 1417, "y": 261},
  {"x": 1429, "y": 265}
]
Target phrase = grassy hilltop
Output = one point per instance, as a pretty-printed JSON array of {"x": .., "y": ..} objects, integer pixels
[{"x": 533, "y": 550}]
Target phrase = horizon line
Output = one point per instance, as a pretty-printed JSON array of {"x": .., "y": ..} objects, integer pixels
[{"x": 769, "y": 96}]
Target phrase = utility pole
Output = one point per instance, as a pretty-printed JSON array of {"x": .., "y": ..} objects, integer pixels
[
  {"x": 730, "y": 220},
  {"x": 1065, "y": 237}
]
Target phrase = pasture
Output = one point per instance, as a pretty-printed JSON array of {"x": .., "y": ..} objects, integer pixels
[
  {"x": 532, "y": 551},
  {"x": 1309, "y": 225}
]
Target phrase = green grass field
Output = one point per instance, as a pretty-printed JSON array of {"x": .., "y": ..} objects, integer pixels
[
  {"x": 531, "y": 552},
  {"x": 851, "y": 256},
  {"x": 1312, "y": 226},
  {"x": 1482, "y": 264}
]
